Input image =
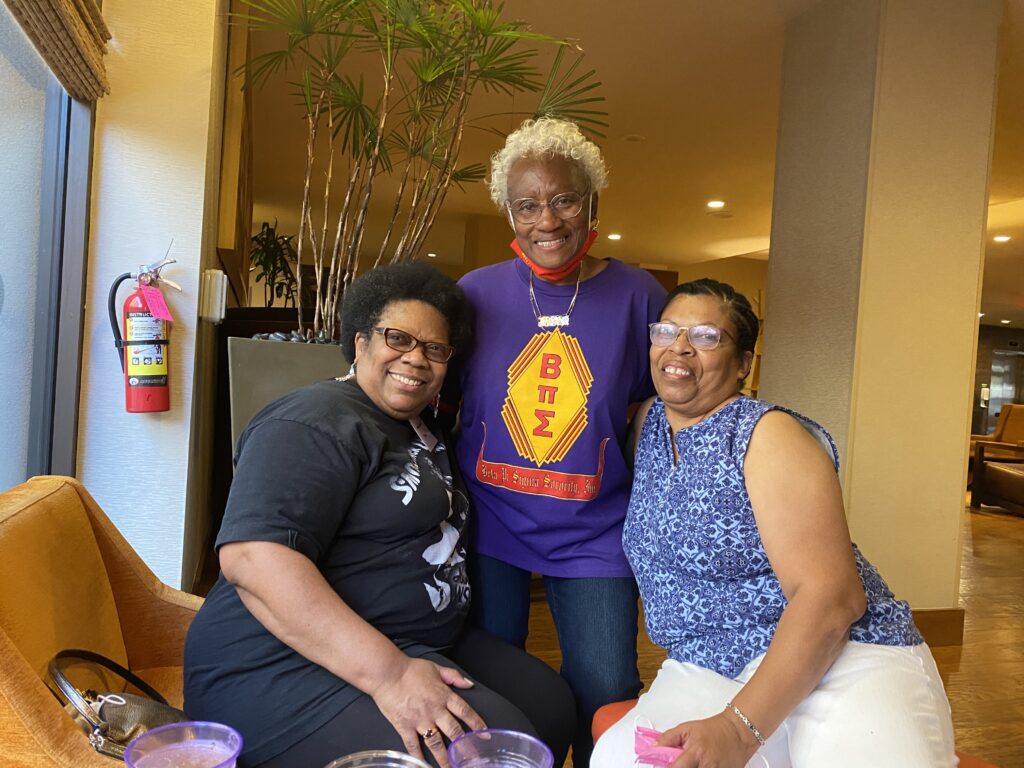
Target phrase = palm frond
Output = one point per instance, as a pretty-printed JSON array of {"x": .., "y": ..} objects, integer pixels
[{"x": 566, "y": 97}]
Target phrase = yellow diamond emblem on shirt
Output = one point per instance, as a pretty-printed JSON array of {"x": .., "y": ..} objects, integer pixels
[{"x": 546, "y": 407}]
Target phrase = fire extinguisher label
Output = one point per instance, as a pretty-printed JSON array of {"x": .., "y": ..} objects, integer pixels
[{"x": 146, "y": 364}]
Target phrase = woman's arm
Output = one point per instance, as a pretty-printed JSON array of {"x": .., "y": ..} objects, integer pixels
[
  {"x": 798, "y": 507},
  {"x": 413, "y": 694}
]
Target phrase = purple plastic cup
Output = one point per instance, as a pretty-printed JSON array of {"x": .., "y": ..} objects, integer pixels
[
  {"x": 494, "y": 748},
  {"x": 192, "y": 744}
]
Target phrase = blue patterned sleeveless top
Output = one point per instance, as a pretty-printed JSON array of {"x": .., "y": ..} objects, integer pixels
[{"x": 710, "y": 595}]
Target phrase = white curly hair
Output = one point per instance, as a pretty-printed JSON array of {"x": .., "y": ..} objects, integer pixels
[{"x": 546, "y": 137}]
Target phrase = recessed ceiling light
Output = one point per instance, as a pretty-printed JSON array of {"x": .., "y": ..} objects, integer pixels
[
  {"x": 614, "y": 236},
  {"x": 716, "y": 204},
  {"x": 431, "y": 255},
  {"x": 1002, "y": 238},
  {"x": 981, "y": 314},
  {"x": 1005, "y": 322}
]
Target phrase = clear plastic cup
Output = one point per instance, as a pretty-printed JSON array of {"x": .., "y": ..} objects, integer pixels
[
  {"x": 380, "y": 758},
  {"x": 493, "y": 748},
  {"x": 192, "y": 744}
]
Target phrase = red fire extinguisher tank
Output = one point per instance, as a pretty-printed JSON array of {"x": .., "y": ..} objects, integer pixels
[{"x": 146, "y": 387}]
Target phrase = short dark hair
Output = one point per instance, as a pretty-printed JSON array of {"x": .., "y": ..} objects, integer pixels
[
  {"x": 735, "y": 303},
  {"x": 370, "y": 294}
]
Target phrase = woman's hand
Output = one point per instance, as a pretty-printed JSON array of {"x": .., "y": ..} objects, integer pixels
[
  {"x": 419, "y": 702},
  {"x": 716, "y": 742}
]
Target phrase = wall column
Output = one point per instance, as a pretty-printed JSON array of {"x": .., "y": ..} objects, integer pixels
[{"x": 874, "y": 277}]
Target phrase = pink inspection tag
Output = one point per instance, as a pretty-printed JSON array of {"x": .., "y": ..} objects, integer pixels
[
  {"x": 157, "y": 305},
  {"x": 649, "y": 753}
]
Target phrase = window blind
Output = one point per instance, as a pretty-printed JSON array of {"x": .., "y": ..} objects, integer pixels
[{"x": 71, "y": 37}]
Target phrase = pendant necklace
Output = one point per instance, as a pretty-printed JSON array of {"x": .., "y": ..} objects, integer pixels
[{"x": 554, "y": 321}]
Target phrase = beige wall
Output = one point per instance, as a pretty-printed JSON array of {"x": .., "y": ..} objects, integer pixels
[
  {"x": 873, "y": 295},
  {"x": 155, "y": 148}
]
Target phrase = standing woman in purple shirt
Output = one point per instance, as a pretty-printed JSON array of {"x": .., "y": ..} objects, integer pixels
[{"x": 558, "y": 360}]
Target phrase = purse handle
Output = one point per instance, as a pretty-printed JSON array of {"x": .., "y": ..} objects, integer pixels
[{"x": 75, "y": 697}]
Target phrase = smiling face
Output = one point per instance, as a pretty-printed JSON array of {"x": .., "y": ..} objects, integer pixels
[
  {"x": 402, "y": 383},
  {"x": 694, "y": 382},
  {"x": 550, "y": 241}
]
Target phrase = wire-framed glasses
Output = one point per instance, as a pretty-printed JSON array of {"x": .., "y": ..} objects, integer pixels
[
  {"x": 400, "y": 341},
  {"x": 704, "y": 336},
  {"x": 526, "y": 210}
]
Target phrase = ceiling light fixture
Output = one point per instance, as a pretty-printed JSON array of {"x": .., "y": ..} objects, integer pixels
[
  {"x": 716, "y": 204},
  {"x": 1002, "y": 238},
  {"x": 614, "y": 236},
  {"x": 981, "y": 314},
  {"x": 431, "y": 255},
  {"x": 1005, "y": 322}
]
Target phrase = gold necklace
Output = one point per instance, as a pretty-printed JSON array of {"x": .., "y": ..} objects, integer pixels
[{"x": 554, "y": 321}]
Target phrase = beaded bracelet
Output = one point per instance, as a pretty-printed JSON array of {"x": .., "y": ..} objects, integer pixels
[{"x": 746, "y": 721}]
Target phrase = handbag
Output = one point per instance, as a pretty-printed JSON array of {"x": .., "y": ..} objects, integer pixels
[{"x": 112, "y": 719}]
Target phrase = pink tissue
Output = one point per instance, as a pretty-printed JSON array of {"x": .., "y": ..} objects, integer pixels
[{"x": 648, "y": 753}]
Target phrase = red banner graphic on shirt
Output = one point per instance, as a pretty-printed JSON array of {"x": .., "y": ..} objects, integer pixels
[{"x": 541, "y": 482}]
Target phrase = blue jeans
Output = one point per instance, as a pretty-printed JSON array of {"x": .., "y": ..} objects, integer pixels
[{"x": 596, "y": 621}]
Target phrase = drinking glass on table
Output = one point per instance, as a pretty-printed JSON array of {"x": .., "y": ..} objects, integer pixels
[
  {"x": 494, "y": 748},
  {"x": 191, "y": 744},
  {"x": 378, "y": 758}
]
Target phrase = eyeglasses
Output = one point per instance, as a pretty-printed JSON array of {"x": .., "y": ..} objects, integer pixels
[
  {"x": 526, "y": 210},
  {"x": 703, "y": 337},
  {"x": 400, "y": 341}
]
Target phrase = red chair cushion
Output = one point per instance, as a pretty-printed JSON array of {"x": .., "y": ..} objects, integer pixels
[{"x": 610, "y": 714}]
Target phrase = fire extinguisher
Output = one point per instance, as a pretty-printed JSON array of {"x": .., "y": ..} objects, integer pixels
[{"x": 143, "y": 348}]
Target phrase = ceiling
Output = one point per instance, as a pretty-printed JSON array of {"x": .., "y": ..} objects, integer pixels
[{"x": 692, "y": 92}]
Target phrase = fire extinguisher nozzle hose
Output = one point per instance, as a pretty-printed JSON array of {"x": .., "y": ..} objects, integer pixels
[{"x": 112, "y": 313}]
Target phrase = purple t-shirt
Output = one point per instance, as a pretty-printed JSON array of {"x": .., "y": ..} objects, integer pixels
[{"x": 543, "y": 419}]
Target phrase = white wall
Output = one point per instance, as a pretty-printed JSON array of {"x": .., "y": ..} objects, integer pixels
[
  {"x": 23, "y": 79},
  {"x": 150, "y": 186}
]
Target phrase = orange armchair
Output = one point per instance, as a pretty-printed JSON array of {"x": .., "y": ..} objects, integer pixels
[
  {"x": 70, "y": 580},
  {"x": 1009, "y": 429}
]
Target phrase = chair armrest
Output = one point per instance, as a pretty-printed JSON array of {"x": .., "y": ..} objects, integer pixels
[
  {"x": 1014, "y": 448},
  {"x": 154, "y": 617}
]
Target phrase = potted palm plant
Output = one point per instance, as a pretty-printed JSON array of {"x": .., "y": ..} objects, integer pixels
[{"x": 385, "y": 88}]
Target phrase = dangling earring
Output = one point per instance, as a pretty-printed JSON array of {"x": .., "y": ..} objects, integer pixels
[
  {"x": 594, "y": 223},
  {"x": 351, "y": 372}
]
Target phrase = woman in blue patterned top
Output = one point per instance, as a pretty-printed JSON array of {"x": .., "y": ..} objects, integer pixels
[{"x": 786, "y": 647}]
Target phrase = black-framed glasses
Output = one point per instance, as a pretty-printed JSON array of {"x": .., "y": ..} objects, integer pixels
[
  {"x": 526, "y": 210},
  {"x": 400, "y": 341},
  {"x": 704, "y": 337}
]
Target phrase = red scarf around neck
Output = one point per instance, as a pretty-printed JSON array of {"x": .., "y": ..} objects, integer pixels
[{"x": 558, "y": 273}]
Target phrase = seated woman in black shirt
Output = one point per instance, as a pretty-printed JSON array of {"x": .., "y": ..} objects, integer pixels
[{"x": 338, "y": 621}]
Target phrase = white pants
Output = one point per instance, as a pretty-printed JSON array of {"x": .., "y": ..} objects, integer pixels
[{"x": 877, "y": 706}]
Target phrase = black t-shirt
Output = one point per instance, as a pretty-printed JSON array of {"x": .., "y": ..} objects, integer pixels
[{"x": 373, "y": 504}]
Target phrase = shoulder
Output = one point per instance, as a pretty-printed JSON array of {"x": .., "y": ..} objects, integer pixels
[
  {"x": 643, "y": 409},
  {"x": 638, "y": 424},
  {"x": 491, "y": 275},
  {"x": 637, "y": 279},
  {"x": 333, "y": 409},
  {"x": 780, "y": 432}
]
